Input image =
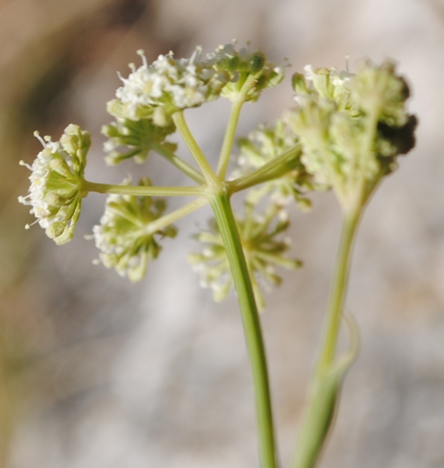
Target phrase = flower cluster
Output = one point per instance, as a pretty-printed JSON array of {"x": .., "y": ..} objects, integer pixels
[
  {"x": 264, "y": 248},
  {"x": 126, "y": 237},
  {"x": 265, "y": 144},
  {"x": 134, "y": 139},
  {"x": 250, "y": 72},
  {"x": 56, "y": 190},
  {"x": 352, "y": 127},
  {"x": 167, "y": 85},
  {"x": 152, "y": 93}
]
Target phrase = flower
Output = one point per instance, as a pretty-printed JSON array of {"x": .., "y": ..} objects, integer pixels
[
  {"x": 125, "y": 236},
  {"x": 265, "y": 144},
  {"x": 168, "y": 85},
  {"x": 352, "y": 127},
  {"x": 56, "y": 191},
  {"x": 139, "y": 136},
  {"x": 249, "y": 72},
  {"x": 264, "y": 249}
]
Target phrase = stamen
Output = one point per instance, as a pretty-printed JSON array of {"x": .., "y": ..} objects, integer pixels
[
  {"x": 22, "y": 163},
  {"x": 141, "y": 52},
  {"x": 42, "y": 141}
]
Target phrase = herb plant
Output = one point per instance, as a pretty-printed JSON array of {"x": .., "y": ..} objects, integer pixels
[{"x": 343, "y": 132}]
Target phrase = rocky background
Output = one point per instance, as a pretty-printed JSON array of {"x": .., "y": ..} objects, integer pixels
[{"x": 99, "y": 373}]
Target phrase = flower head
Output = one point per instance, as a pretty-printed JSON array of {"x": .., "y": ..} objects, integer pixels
[
  {"x": 125, "y": 236},
  {"x": 264, "y": 249},
  {"x": 134, "y": 139},
  {"x": 167, "y": 85},
  {"x": 265, "y": 144},
  {"x": 56, "y": 193},
  {"x": 352, "y": 127},
  {"x": 249, "y": 72}
]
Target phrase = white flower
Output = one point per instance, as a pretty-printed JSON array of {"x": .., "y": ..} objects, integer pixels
[
  {"x": 173, "y": 84},
  {"x": 56, "y": 179},
  {"x": 123, "y": 236}
]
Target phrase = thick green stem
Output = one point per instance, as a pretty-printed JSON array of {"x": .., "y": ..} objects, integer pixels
[
  {"x": 252, "y": 328},
  {"x": 326, "y": 382}
]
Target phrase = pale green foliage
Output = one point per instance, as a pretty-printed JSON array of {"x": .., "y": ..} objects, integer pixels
[{"x": 56, "y": 191}]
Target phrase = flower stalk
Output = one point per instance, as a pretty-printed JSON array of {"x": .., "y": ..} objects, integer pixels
[
  {"x": 252, "y": 326},
  {"x": 329, "y": 371}
]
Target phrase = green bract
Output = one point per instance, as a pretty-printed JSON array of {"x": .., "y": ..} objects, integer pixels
[
  {"x": 352, "y": 127},
  {"x": 56, "y": 190},
  {"x": 124, "y": 235},
  {"x": 264, "y": 249}
]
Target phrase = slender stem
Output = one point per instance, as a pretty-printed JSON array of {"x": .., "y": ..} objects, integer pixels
[
  {"x": 270, "y": 170},
  {"x": 201, "y": 160},
  {"x": 170, "y": 218},
  {"x": 227, "y": 144},
  {"x": 252, "y": 328},
  {"x": 143, "y": 190},
  {"x": 338, "y": 292},
  {"x": 326, "y": 381},
  {"x": 178, "y": 162}
]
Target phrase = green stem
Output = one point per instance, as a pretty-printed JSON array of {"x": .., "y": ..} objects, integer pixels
[
  {"x": 227, "y": 144},
  {"x": 269, "y": 171},
  {"x": 143, "y": 190},
  {"x": 252, "y": 328},
  {"x": 178, "y": 162},
  {"x": 338, "y": 292},
  {"x": 170, "y": 218},
  {"x": 201, "y": 160},
  {"x": 328, "y": 374}
]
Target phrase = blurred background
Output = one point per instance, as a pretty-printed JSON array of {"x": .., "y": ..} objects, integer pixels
[{"x": 98, "y": 373}]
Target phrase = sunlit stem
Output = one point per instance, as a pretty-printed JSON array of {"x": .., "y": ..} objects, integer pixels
[
  {"x": 142, "y": 190},
  {"x": 338, "y": 293},
  {"x": 325, "y": 384},
  {"x": 230, "y": 134},
  {"x": 175, "y": 215},
  {"x": 269, "y": 171},
  {"x": 252, "y": 328},
  {"x": 201, "y": 160},
  {"x": 178, "y": 162}
]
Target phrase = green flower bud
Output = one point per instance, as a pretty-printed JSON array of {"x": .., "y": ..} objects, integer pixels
[
  {"x": 249, "y": 72},
  {"x": 377, "y": 89},
  {"x": 298, "y": 83}
]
